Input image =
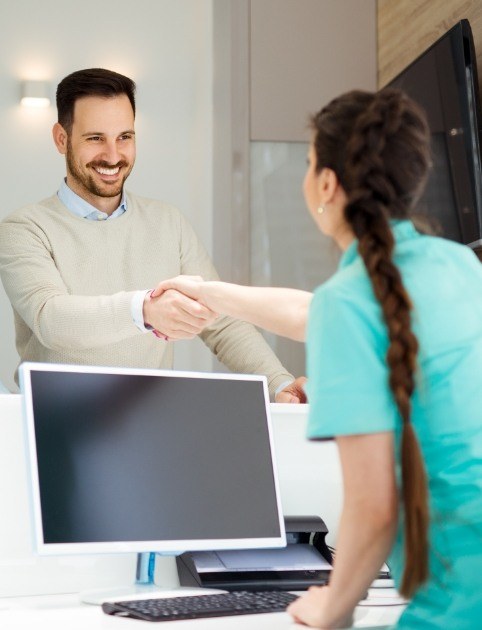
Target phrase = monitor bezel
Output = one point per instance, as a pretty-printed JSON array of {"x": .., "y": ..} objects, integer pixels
[{"x": 163, "y": 547}]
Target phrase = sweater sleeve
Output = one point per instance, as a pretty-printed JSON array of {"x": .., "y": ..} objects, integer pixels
[
  {"x": 237, "y": 344},
  {"x": 39, "y": 296}
]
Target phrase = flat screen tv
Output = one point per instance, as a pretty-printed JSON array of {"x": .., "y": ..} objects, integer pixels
[{"x": 443, "y": 80}]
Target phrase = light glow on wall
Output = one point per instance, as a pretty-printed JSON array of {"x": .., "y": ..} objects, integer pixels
[{"x": 35, "y": 94}]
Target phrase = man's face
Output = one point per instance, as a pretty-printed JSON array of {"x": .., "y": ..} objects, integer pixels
[{"x": 100, "y": 149}]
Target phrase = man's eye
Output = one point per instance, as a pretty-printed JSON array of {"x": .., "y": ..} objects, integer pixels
[
  {"x": 94, "y": 138},
  {"x": 126, "y": 136}
]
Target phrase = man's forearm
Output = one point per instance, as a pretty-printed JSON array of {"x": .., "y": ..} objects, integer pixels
[{"x": 82, "y": 322}]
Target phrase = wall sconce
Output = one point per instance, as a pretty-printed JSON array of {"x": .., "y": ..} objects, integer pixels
[{"x": 35, "y": 94}]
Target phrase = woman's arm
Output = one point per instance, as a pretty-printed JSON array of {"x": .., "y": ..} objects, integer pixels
[
  {"x": 281, "y": 311},
  {"x": 367, "y": 530}
]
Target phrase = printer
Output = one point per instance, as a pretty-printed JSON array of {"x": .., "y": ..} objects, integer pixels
[{"x": 304, "y": 562}]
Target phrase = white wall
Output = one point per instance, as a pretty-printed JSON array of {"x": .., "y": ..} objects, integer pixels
[{"x": 166, "y": 47}]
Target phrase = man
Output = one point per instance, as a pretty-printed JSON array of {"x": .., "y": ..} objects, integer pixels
[{"x": 77, "y": 267}]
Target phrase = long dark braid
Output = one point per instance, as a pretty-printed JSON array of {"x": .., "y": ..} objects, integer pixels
[{"x": 379, "y": 151}]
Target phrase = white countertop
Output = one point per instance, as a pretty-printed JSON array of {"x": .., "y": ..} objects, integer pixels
[{"x": 59, "y": 612}]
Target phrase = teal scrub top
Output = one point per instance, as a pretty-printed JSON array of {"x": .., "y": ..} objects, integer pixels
[{"x": 349, "y": 394}]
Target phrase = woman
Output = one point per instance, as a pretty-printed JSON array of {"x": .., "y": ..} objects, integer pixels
[{"x": 394, "y": 353}]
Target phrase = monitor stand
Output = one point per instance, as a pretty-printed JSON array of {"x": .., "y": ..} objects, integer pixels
[{"x": 144, "y": 586}]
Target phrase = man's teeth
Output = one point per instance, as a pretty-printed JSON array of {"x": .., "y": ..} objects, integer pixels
[{"x": 108, "y": 171}]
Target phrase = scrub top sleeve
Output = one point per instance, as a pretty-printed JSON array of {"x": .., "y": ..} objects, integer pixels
[{"x": 347, "y": 385}]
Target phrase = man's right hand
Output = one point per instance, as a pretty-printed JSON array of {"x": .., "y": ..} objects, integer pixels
[{"x": 175, "y": 315}]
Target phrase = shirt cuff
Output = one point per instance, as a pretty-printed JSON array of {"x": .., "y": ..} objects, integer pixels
[
  {"x": 137, "y": 308},
  {"x": 282, "y": 386}
]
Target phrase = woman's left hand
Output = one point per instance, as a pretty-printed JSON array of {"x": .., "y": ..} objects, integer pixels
[{"x": 314, "y": 610}]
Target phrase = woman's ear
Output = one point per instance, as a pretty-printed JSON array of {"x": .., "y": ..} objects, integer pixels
[
  {"x": 327, "y": 185},
  {"x": 60, "y": 138}
]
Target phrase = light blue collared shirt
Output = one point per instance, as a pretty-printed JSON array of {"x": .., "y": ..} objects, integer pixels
[{"x": 84, "y": 210}]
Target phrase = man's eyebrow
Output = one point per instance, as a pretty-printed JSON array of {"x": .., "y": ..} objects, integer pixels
[{"x": 102, "y": 133}]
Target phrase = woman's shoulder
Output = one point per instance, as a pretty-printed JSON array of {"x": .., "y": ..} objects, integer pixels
[
  {"x": 430, "y": 258},
  {"x": 347, "y": 299},
  {"x": 348, "y": 284},
  {"x": 426, "y": 243}
]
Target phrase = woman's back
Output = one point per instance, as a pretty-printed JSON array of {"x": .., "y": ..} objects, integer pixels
[
  {"x": 445, "y": 285},
  {"x": 347, "y": 347}
]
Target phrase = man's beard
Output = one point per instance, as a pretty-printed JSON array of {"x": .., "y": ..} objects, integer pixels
[{"x": 87, "y": 181}]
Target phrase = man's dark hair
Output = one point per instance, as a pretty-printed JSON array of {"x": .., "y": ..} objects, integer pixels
[{"x": 91, "y": 82}]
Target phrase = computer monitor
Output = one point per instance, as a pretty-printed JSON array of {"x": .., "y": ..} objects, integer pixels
[
  {"x": 443, "y": 80},
  {"x": 125, "y": 460}
]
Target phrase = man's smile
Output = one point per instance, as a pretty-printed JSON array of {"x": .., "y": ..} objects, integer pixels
[{"x": 102, "y": 170}]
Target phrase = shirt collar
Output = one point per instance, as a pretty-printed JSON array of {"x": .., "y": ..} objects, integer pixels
[
  {"x": 403, "y": 230},
  {"x": 81, "y": 208}
]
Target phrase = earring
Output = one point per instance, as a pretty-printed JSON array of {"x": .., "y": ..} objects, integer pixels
[{"x": 321, "y": 209}]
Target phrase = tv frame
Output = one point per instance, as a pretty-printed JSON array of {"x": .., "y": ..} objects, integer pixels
[
  {"x": 162, "y": 547},
  {"x": 461, "y": 122}
]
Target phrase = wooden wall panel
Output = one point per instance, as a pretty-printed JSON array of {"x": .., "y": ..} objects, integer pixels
[{"x": 408, "y": 27}]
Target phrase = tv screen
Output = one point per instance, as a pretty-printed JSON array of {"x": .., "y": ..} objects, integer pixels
[
  {"x": 132, "y": 460},
  {"x": 443, "y": 80}
]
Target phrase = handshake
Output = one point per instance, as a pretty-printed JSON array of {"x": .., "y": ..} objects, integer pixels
[
  {"x": 182, "y": 307},
  {"x": 175, "y": 308}
]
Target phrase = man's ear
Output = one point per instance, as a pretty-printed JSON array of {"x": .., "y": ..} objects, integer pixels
[{"x": 60, "y": 138}]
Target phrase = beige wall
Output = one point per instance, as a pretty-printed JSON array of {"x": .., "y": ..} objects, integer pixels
[
  {"x": 166, "y": 46},
  {"x": 303, "y": 53},
  {"x": 408, "y": 27}
]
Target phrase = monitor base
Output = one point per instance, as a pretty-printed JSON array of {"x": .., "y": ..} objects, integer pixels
[{"x": 143, "y": 588}]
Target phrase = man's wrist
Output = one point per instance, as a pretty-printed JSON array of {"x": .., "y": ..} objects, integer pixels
[
  {"x": 283, "y": 385},
  {"x": 137, "y": 310}
]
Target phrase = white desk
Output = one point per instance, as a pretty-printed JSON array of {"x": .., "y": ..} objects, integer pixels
[
  {"x": 310, "y": 483},
  {"x": 62, "y": 612}
]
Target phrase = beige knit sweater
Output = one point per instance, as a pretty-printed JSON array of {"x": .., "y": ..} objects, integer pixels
[{"x": 71, "y": 281}]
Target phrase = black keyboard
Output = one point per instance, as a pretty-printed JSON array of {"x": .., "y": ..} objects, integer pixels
[{"x": 198, "y": 606}]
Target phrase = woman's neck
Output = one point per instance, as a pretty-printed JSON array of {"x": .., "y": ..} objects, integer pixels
[{"x": 344, "y": 238}]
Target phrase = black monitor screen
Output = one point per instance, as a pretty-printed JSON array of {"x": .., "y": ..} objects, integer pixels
[
  {"x": 443, "y": 80},
  {"x": 144, "y": 457}
]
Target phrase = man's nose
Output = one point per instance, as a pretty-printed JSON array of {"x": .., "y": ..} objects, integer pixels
[{"x": 110, "y": 152}]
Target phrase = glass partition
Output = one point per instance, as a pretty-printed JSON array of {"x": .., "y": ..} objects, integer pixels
[{"x": 287, "y": 249}]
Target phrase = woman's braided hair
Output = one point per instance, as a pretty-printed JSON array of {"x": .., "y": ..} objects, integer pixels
[{"x": 378, "y": 146}]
